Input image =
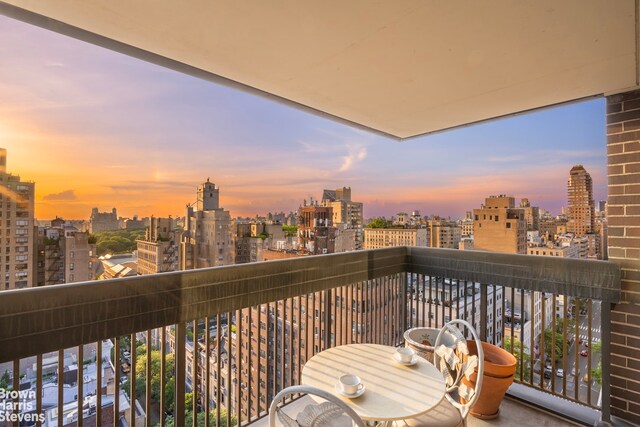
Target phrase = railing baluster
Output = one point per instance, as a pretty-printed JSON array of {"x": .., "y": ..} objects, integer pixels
[
  {"x": 16, "y": 386},
  {"x": 553, "y": 343},
  {"x": 229, "y": 382},
  {"x": 238, "y": 364},
  {"x": 576, "y": 384},
  {"x": 163, "y": 374},
  {"x": 565, "y": 321},
  {"x": 483, "y": 311},
  {"x": 207, "y": 369},
  {"x": 180, "y": 375},
  {"x": 99, "y": 371},
  {"x": 80, "y": 386},
  {"x": 532, "y": 352},
  {"x": 39, "y": 386},
  {"x": 218, "y": 368},
  {"x": 147, "y": 377},
  {"x": 194, "y": 375},
  {"x": 589, "y": 354},
  {"x": 605, "y": 350},
  {"x": 250, "y": 312},
  {"x": 132, "y": 382},
  {"x": 116, "y": 383},
  {"x": 542, "y": 340}
]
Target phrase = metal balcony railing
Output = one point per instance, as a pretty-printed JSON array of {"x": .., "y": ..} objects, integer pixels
[{"x": 234, "y": 336}]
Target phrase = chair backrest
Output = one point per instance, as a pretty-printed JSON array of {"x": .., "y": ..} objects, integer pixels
[
  {"x": 322, "y": 414},
  {"x": 451, "y": 356}
]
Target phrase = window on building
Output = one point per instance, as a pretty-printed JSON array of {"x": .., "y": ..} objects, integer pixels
[{"x": 508, "y": 225}]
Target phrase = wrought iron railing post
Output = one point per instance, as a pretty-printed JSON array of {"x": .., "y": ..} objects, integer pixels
[
  {"x": 403, "y": 298},
  {"x": 605, "y": 340},
  {"x": 326, "y": 295},
  {"x": 483, "y": 311},
  {"x": 180, "y": 363}
]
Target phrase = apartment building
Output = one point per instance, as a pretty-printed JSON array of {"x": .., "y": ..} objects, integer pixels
[
  {"x": 316, "y": 233},
  {"x": 16, "y": 229},
  {"x": 347, "y": 214},
  {"x": 64, "y": 254},
  {"x": 103, "y": 221},
  {"x": 453, "y": 299},
  {"x": 581, "y": 209},
  {"x": 443, "y": 233},
  {"x": 207, "y": 240},
  {"x": 531, "y": 214},
  {"x": 160, "y": 249},
  {"x": 499, "y": 226},
  {"x": 376, "y": 238}
]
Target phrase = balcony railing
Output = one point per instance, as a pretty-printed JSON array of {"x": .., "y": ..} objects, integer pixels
[{"x": 234, "y": 336}]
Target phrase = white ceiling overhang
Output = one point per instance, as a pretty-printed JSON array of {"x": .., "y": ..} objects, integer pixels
[{"x": 398, "y": 67}]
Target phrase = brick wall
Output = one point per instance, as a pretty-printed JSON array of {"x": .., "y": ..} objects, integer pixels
[{"x": 623, "y": 154}]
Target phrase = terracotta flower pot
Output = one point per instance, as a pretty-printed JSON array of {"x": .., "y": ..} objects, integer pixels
[{"x": 499, "y": 370}]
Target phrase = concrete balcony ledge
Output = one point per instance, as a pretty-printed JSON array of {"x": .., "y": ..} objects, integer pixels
[{"x": 513, "y": 412}]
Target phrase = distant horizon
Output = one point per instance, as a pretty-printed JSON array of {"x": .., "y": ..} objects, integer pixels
[{"x": 94, "y": 128}]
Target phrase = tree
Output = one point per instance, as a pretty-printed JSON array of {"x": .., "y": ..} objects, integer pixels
[
  {"x": 140, "y": 375},
  {"x": 188, "y": 418},
  {"x": 5, "y": 381},
  {"x": 548, "y": 338},
  {"x": 120, "y": 241},
  {"x": 379, "y": 222},
  {"x": 290, "y": 230},
  {"x": 515, "y": 350}
]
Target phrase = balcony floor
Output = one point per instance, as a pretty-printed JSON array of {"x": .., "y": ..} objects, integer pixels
[{"x": 512, "y": 413}]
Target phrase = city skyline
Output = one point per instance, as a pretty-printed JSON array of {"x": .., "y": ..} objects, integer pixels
[{"x": 94, "y": 128}]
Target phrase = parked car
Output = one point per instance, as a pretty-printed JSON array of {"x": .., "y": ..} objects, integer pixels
[
  {"x": 560, "y": 373},
  {"x": 584, "y": 353}
]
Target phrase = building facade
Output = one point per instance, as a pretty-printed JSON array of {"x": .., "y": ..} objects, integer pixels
[
  {"x": 443, "y": 233},
  {"x": 207, "y": 240},
  {"x": 16, "y": 229},
  {"x": 316, "y": 233},
  {"x": 376, "y": 238},
  {"x": 64, "y": 255},
  {"x": 159, "y": 251},
  {"x": 581, "y": 209},
  {"x": 500, "y": 227},
  {"x": 103, "y": 221},
  {"x": 347, "y": 214}
]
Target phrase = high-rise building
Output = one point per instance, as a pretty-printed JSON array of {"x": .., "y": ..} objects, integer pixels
[
  {"x": 17, "y": 228},
  {"x": 207, "y": 240},
  {"x": 581, "y": 209},
  {"x": 347, "y": 214},
  {"x": 158, "y": 251},
  {"x": 499, "y": 226},
  {"x": 103, "y": 221},
  {"x": 531, "y": 214}
]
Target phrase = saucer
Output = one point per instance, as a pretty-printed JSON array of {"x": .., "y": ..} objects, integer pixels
[
  {"x": 356, "y": 394},
  {"x": 413, "y": 361}
]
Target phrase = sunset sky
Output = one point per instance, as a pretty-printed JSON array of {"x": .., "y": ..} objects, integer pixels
[{"x": 96, "y": 128}]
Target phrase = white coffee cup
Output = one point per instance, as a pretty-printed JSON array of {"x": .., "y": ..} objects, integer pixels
[
  {"x": 350, "y": 384},
  {"x": 405, "y": 354}
]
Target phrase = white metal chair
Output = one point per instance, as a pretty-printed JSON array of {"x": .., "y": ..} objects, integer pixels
[
  {"x": 452, "y": 358},
  {"x": 332, "y": 412}
]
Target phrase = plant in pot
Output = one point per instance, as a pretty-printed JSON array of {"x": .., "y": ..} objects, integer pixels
[{"x": 499, "y": 371}]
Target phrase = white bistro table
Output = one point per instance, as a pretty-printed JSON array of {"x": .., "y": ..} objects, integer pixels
[{"x": 392, "y": 391}]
